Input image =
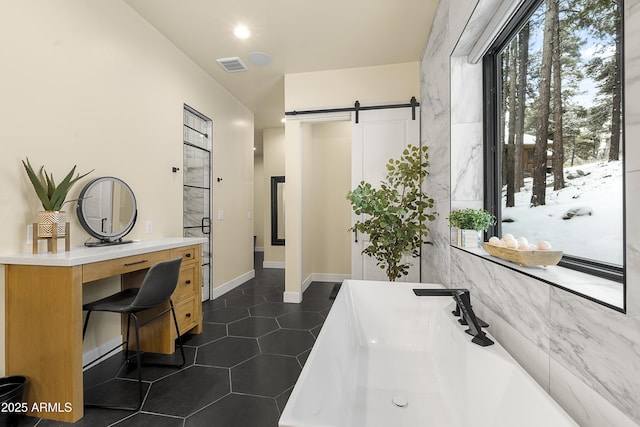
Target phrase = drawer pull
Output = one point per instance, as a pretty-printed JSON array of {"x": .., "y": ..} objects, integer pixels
[
  {"x": 187, "y": 315},
  {"x": 188, "y": 282},
  {"x": 129, "y": 264},
  {"x": 188, "y": 255}
]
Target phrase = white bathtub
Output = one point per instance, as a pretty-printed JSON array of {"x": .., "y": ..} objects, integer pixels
[{"x": 381, "y": 343}]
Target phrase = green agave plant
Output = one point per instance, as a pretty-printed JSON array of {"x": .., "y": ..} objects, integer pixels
[{"x": 51, "y": 195}]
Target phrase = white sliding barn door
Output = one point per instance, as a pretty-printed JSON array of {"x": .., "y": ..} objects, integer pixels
[{"x": 379, "y": 136}]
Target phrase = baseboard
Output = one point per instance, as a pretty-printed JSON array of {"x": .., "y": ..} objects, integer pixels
[
  {"x": 294, "y": 297},
  {"x": 232, "y": 284},
  {"x": 273, "y": 264},
  {"x": 101, "y": 350}
]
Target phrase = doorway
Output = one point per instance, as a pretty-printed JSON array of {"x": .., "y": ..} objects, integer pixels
[
  {"x": 337, "y": 153},
  {"x": 196, "y": 192}
]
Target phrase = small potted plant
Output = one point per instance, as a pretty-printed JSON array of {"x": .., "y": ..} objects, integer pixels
[
  {"x": 52, "y": 196},
  {"x": 470, "y": 223}
]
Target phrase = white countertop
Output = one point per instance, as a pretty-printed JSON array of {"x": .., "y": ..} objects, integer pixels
[{"x": 85, "y": 255}]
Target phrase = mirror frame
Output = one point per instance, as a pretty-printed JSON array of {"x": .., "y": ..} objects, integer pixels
[
  {"x": 106, "y": 238},
  {"x": 275, "y": 180}
]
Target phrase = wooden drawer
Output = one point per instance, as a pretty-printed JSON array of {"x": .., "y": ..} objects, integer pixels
[
  {"x": 187, "y": 313},
  {"x": 189, "y": 254},
  {"x": 102, "y": 269},
  {"x": 188, "y": 285}
]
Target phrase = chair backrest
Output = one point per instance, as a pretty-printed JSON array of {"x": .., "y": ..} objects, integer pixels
[{"x": 158, "y": 285}]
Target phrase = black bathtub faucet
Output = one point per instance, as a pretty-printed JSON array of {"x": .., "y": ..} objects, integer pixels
[{"x": 462, "y": 297}]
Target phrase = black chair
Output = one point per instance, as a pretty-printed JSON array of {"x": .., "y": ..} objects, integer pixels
[{"x": 156, "y": 289}]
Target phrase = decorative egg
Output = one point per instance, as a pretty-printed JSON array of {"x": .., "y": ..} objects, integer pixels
[
  {"x": 523, "y": 247},
  {"x": 493, "y": 240},
  {"x": 510, "y": 243},
  {"x": 507, "y": 236},
  {"x": 522, "y": 241},
  {"x": 543, "y": 245},
  {"x": 500, "y": 244}
]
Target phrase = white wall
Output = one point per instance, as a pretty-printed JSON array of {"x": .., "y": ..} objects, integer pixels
[
  {"x": 395, "y": 83},
  {"x": 585, "y": 355},
  {"x": 91, "y": 83}
]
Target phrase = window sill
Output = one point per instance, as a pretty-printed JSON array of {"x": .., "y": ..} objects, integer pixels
[{"x": 596, "y": 289}]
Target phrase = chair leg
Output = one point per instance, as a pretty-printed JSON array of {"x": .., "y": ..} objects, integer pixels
[
  {"x": 126, "y": 342},
  {"x": 175, "y": 322},
  {"x": 86, "y": 322},
  {"x": 138, "y": 360}
]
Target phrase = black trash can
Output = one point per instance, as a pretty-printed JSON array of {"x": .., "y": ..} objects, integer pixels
[{"x": 12, "y": 407}]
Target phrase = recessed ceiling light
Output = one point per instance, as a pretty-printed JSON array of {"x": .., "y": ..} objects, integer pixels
[
  {"x": 241, "y": 32},
  {"x": 259, "y": 58}
]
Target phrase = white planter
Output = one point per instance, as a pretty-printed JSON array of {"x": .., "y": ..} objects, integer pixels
[
  {"x": 469, "y": 238},
  {"x": 46, "y": 221}
]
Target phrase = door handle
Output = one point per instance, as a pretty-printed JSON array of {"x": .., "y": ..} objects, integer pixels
[
  {"x": 355, "y": 232},
  {"x": 205, "y": 223}
]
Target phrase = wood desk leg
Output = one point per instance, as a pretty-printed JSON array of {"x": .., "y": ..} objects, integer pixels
[{"x": 43, "y": 316}]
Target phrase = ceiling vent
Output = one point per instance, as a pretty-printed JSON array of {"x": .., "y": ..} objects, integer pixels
[{"x": 232, "y": 65}]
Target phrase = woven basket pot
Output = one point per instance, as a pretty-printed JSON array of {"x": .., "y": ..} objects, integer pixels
[{"x": 46, "y": 221}]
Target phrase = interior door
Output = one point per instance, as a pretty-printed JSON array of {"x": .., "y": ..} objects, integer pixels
[
  {"x": 197, "y": 136},
  {"x": 379, "y": 136}
]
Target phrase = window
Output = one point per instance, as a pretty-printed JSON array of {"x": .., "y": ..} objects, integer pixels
[{"x": 554, "y": 131}]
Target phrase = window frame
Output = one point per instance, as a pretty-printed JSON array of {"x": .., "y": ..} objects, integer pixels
[{"x": 492, "y": 152}]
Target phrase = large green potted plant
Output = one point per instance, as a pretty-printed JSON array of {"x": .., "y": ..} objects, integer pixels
[
  {"x": 53, "y": 197},
  {"x": 470, "y": 224},
  {"x": 395, "y": 212}
]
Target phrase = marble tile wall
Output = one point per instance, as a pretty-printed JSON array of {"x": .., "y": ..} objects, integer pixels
[{"x": 585, "y": 355}]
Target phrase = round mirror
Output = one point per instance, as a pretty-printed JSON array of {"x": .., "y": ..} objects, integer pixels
[{"x": 107, "y": 210}]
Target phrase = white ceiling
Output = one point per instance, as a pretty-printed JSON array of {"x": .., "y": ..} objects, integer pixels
[{"x": 299, "y": 35}]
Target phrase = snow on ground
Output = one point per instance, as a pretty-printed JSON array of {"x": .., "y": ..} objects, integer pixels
[{"x": 595, "y": 187}]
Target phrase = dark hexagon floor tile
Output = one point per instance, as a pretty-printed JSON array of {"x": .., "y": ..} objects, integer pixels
[
  {"x": 274, "y": 297},
  {"x": 245, "y": 301},
  {"x": 150, "y": 420},
  {"x": 210, "y": 332},
  {"x": 316, "y": 331},
  {"x": 270, "y": 309},
  {"x": 303, "y": 357},
  {"x": 187, "y": 391},
  {"x": 288, "y": 342},
  {"x": 260, "y": 290},
  {"x": 237, "y": 410},
  {"x": 225, "y": 315},
  {"x": 300, "y": 320},
  {"x": 214, "y": 304},
  {"x": 282, "y": 400},
  {"x": 231, "y": 294},
  {"x": 253, "y": 327},
  {"x": 266, "y": 375},
  {"x": 92, "y": 417},
  {"x": 115, "y": 392},
  {"x": 227, "y": 352},
  {"x": 153, "y": 372},
  {"x": 321, "y": 290},
  {"x": 312, "y": 304}
]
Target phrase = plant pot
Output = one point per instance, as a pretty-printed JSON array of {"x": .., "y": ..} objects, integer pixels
[
  {"x": 11, "y": 395},
  {"x": 469, "y": 238},
  {"x": 47, "y": 220}
]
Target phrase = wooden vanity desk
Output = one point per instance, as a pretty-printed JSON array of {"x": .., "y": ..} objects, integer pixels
[{"x": 43, "y": 313}]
